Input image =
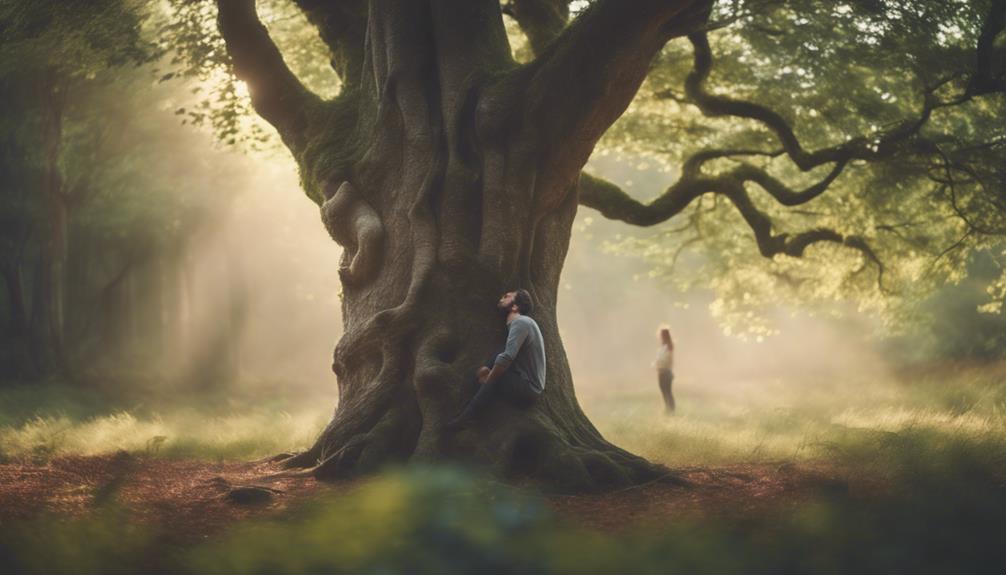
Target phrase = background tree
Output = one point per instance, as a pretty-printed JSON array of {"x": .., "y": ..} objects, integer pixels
[
  {"x": 106, "y": 205},
  {"x": 50, "y": 51}
]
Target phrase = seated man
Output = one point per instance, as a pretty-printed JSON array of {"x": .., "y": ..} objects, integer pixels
[{"x": 518, "y": 373}]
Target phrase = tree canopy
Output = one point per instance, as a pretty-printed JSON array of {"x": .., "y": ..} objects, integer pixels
[{"x": 857, "y": 148}]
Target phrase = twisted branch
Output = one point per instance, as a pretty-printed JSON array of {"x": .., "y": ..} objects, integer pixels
[
  {"x": 276, "y": 93},
  {"x": 861, "y": 148},
  {"x": 614, "y": 203}
]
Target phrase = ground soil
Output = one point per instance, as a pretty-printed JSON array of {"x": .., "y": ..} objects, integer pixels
[{"x": 191, "y": 499}]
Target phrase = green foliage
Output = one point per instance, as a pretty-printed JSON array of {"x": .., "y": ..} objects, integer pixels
[
  {"x": 848, "y": 70},
  {"x": 137, "y": 188},
  {"x": 75, "y": 38},
  {"x": 187, "y": 32},
  {"x": 424, "y": 520},
  {"x": 835, "y": 73},
  {"x": 106, "y": 543}
]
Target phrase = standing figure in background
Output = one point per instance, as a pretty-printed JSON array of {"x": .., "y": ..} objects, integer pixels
[{"x": 664, "y": 364}]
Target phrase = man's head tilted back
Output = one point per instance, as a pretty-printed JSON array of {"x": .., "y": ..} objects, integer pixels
[{"x": 520, "y": 298}]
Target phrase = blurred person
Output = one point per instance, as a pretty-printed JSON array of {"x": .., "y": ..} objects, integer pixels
[
  {"x": 517, "y": 374},
  {"x": 664, "y": 364}
]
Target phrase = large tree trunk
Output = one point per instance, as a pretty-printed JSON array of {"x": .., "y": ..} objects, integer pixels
[
  {"x": 416, "y": 331},
  {"x": 449, "y": 175}
]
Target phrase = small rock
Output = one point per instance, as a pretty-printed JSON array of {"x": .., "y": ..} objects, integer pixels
[{"x": 251, "y": 495}]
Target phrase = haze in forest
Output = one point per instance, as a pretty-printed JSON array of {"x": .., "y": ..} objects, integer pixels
[{"x": 263, "y": 294}]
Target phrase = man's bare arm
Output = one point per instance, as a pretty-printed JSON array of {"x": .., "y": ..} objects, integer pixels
[{"x": 497, "y": 372}]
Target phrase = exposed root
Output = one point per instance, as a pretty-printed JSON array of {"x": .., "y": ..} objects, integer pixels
[
  {"x": 308, "y": 458},
  {"x": 341, "y": 463}
]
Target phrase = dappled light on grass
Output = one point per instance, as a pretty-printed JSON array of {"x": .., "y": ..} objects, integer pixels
[
  {"x": 894, "y": 419},
  {"x": 800, "y": 420},
  {"x": 247, "y": 434},
  {"x": 753, "y": 421}
]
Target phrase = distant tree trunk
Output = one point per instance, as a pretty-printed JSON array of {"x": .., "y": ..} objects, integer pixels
[
  {"x": 235, "y": 319},
  {"x": 111, "y": 312},
  {"x": 186, "y": 330},
  {"x": 449, "y": 175},
  {"x": 22, "y": 362},
  {"x": 129, "y": 318},
  {"x": 171, "y": 308},
  {"x": 15, "y": 295},
  {"x": 48, "y": 301}
]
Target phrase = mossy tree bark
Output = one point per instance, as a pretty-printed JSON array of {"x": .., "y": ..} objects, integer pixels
[{"x": 449, "y": 173}]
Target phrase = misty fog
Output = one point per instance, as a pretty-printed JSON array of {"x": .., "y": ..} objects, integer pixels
[{"x": 271, "y": 251}]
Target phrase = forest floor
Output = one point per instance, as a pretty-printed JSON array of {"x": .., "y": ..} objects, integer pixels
[
  {"x": 190, "y": 499},
  {"x": 882, "y": 475}
]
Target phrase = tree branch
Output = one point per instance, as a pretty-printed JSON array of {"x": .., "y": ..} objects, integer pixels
[
  {"x": 780, "y": 191},
  {"x": 542, "y": 21},
  {"x": 277, "y": 95},
  {"x": 614, "y": 203},
  {"x": 794, "y": 245},
  {"x": 987, "y": 80},
  {"x": 713, "y": 106},
  {"x": 470, "y": 41},
  {"x": 342, "y": 25},
  {"x": 606, "y": 53},
  {"x": 693, "y": 165},
  {"x": 876, "y": 147}
]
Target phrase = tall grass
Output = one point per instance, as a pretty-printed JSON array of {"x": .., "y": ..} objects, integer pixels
[
  {"x": 80, "y": 423},
  {"x": 802, "y": 420},
  {"x": 732, "y": 422}
]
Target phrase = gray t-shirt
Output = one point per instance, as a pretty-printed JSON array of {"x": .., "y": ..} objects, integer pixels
[{"x": 525, "y": 349}]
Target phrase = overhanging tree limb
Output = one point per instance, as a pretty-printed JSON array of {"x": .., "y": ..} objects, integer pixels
[
  {"x": 875, "y": 147},
  {"x": 771, "y": 244},
  {"x": 606, "y": 52},
  {"x": 614, "y": 203},
  {"x": 783, "y": 193},
  {"x": 277, "y": 95}
]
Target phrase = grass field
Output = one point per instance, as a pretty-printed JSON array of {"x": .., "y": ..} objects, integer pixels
[{"x": 916, "y": 465}]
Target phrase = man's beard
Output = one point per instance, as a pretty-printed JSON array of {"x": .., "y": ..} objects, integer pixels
[{"x": 503, "y": 308}]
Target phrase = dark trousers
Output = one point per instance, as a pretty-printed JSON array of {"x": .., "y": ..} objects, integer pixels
[
  {"x": 511, "y": 386},
  {"x": 665, "y": 378}
]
